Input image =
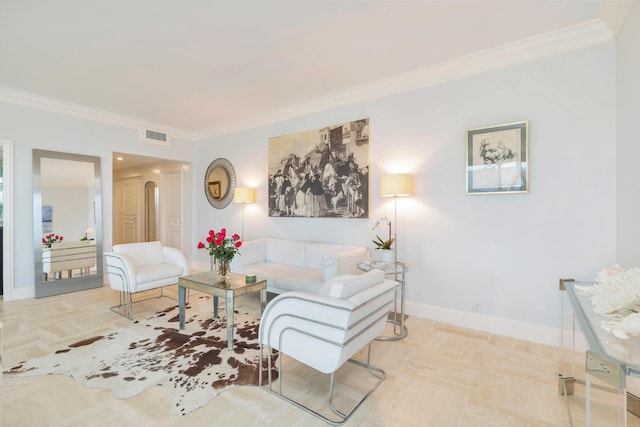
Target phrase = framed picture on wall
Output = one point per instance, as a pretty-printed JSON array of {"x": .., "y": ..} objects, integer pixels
[
  {"x": 321, "y": 173},
  {"x": 498, "y": 159}
]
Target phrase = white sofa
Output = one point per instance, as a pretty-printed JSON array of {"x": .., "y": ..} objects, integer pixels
[
  {"x": 326, "y": 329},
  {"x": 137, "y": 267},
  {"x": 68, "y": 256},
  {"x": 294, "y": 265}
]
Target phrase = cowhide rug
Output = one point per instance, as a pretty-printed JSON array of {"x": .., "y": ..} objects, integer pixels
[{"x": 194, "y": 364}]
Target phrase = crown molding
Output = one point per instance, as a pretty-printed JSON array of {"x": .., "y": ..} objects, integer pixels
[
  {"x": 12, "y": 96},
  {"x": 615, "y": 13},
  {"x": 588, "y": 34},
  {"x": 580, "y": 36}
]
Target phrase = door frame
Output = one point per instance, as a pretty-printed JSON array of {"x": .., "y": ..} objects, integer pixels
[{"x": 8, "y": 218}]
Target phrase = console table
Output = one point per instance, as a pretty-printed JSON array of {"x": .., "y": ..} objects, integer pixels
[
  {"x": 397, "y": 271},
  {"x": 608, "y": 358}
]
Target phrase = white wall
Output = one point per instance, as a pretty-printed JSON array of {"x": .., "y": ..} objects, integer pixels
[
  {"x": 30, "y": 128},
  {"x": 501, "y": 253},
  {"x": 628, "y": 139},
  {"x": 628, "y": 149}
]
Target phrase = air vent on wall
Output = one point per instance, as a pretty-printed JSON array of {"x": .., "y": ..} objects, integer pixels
[{"x": 154, "y": 137}]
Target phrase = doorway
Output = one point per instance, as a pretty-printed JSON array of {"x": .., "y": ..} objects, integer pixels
[
  {"x": 150, "y": 211},
  {"x": 6, "y": 219},
  {"x": 144, "y": 193}
]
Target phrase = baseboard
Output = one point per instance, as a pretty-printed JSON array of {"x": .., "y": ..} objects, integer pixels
[
  {"x": 495, "y": 325},
  {"x": 22, "y": 293}
]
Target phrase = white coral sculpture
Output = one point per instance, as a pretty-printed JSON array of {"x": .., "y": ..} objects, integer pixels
[{"x": 614, "y": 290}]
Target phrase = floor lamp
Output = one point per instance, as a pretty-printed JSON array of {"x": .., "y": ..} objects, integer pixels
[
  {"x": 243, "y": 195},
  {"x": 396, "y": 185}
]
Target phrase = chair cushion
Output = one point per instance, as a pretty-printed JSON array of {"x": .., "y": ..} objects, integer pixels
[
  {"x": 285, "y": 277},
  {"x": 141, "y": 254},
  {"x": 151, "y": 273},
  {"x": 347, "y": 285}
]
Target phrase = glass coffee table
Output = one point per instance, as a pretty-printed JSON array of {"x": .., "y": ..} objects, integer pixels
[{"x": 209, "y": 283}]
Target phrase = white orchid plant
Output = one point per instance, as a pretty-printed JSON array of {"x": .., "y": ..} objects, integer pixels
[{"x": 383, "y": 244}]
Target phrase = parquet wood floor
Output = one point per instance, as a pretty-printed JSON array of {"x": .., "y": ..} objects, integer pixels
[{"x": 440, "y": 376}]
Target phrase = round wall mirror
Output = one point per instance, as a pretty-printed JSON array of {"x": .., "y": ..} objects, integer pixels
[{"x": 219, "y": 183}]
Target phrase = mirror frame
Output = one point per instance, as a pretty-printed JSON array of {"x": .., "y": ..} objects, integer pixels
[
  {"x": 224, "y": 201},
  {"x": 55, "y": 287}
]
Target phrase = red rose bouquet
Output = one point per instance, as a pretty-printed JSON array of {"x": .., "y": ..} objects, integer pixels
[
  {"x": 221, "y": 247},
  {"x": 50, "y": 239}
]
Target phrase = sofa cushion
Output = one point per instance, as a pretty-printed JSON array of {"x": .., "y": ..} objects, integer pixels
[
  {"x": 251, "y": 252},
  {"x": 313, "y": 253},
  {"x": 141, "y": 254},
  {"x": 288, "y": 252},
  {"x": 285, "y": 277},
  {"x": 346, "y": 285},
  {"x": 343, "y": 262}
]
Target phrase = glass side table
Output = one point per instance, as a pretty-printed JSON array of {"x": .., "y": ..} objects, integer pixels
[
  {"x": 607, "y": 357},
  {"x": 396, "y": 271}
]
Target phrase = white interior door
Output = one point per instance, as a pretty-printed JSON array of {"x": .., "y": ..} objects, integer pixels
[{"x": 130, "y": 210}]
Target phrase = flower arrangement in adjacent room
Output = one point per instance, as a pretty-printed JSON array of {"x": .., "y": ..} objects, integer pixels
[
  {"x": 50, "y": 239},
  {"x": 222, "y": 249},
  {"x": 383, "y": 244},
  {"x": 88, "y": 235}
]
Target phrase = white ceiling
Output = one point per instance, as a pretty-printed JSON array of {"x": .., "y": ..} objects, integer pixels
[{"x": 205, "y": 64}]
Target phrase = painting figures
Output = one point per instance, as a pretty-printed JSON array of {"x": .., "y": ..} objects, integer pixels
[{"x": 323, "y": 179}]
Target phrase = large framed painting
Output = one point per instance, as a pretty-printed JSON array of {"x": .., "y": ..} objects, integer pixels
[
  {"x": 321, "y": 173},
  {"x": 498, "y": 159}
]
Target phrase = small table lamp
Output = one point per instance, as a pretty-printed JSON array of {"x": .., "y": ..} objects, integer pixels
[
  {"x": 396, "y": 185},
  {"x": 243, "y": 195}
]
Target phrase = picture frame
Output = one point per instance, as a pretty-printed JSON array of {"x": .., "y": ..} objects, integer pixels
[
  {"x": 47, "y": 219},
  {"x": 320, "y": 173},
  {"x": 497, "y": 159},
  {"x": 214, "y": 189}
]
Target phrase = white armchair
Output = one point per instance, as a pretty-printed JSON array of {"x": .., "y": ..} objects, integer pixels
[
  {"x": 137, "y": 267},
  {"x": 325, "y": 330}
]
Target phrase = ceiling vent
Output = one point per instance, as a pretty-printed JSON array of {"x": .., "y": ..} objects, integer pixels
[{"x": 155, "y": 137}]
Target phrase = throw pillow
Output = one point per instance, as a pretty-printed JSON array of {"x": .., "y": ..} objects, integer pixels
[{"x": 347, "y": 285}]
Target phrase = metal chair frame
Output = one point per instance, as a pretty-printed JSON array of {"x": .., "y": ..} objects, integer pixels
[
  {"x": 374, "y": 371},
  {"x": 125, "y": 306}
]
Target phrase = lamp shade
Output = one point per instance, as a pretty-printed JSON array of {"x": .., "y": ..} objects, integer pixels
[
  {"x": 243, "y": 195},
  {"x": 396, "y": 185}
]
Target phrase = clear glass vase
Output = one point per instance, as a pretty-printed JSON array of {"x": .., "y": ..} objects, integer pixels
[{"x": 223, "y": 268}]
